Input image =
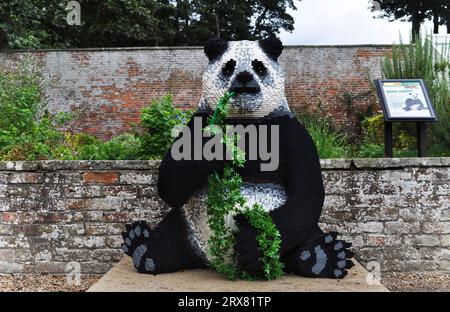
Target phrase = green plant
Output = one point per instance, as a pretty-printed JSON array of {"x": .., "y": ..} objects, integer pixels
[
  {"x": 370, "y": 150},
  {"x": 329, "y": 142},
  {"x": 438, "y": 150},
  {"x": 373, "y": 129},
  {"x": 21, "y": 99},
  {"x": 421, "y": 60},
  {"x": 224, "y": 198},
  {"x": 122, "y": 147},
  {"x": 441, "y": 100},
  {"x": 158, "y": 120},
  {"x": 27, "y": 130},
  {"x": 269, "y": 241},
  {"x": 404, "y": 138}
]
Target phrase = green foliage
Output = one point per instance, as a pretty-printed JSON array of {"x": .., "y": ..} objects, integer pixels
[
  {"x": 27, "y": 130},
  {"x": 412, "y": 61},
  {"x": 329, "y": 142},
  {"x": 34, "y": 24},
  {"x": 438, "y": 150},
  {"x": 373, "y": 129},
  {"x": 404, "y": 136},
  {"x": 415, "y": 11},
  {"x": 21, "y": 100},
  {"x": 158, "y": 121},
  {"x": 122, "y": 147},
  {"x": 224, "y": 198},
  {"x": 441, "y": 99},
  {"x": 116, "y": 23},
  {"x": 370, "y": 150},
  {"x": 421, "y": 60},
  {"x": 269, "y": 241}
]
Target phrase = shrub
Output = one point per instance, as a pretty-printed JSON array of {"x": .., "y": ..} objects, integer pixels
[
  {"x": 122, "y": 147},
  {"x": 373, "y": 133},
  {"x": 329, "y": 142},
  {"x": 422, "y": 60},
  {"x": 370, "y": 150},
  {"x": 21, "y": 100},
  {"x": 373, "y": 129},
  {"x": 158, "y": 120},
  {"x": 27, "y": 130}
]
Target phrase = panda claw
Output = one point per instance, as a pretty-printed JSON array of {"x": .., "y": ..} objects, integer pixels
[
  {"x": 345, "y": 264},
  {"x": 338, "y": 273},
  {"x": 330, "y": 237}
]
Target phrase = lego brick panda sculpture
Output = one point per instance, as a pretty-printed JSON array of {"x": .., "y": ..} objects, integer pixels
[{"x": 292, "y": 192}]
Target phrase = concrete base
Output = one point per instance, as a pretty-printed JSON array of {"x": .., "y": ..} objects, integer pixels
[{"x": 123, "y": 277}]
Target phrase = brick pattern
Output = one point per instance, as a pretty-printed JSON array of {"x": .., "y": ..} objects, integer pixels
[
  {"x": 396, "y": 212},
  {"x": 53, "y": 213},
  {"x": 108, "y": 87}
]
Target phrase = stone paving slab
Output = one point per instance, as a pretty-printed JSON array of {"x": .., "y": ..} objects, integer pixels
[{"x": 123, "y": 278}]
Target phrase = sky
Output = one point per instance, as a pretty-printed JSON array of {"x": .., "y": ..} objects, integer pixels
[{"x": 330, "y": 22}]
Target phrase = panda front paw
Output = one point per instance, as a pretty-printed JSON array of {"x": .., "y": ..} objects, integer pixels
[
  {"x": 246, "y": 246},
  {"x": 326, "y": 257}
]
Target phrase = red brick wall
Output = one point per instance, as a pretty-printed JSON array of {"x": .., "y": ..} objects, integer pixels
[{"x": 108, "y": 87}]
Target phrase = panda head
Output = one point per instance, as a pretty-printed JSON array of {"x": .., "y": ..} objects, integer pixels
[
  {"x": 414, "y": 95},
  {"x": 250, "y": 70}
]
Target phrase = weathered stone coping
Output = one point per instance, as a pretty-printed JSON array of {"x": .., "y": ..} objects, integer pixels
[
  {"x": 326, "y": 164},
  {"x": 384, "y": 163}
]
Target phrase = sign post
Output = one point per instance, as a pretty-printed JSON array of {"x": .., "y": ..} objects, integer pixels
[
  {"x": 388, "y": 148},
  {"x": 405, "y": 100}
]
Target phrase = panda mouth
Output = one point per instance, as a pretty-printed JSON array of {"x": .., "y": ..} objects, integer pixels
[
  {"x": 246, "y": 102},
  {"x": 245, "y": 90}
]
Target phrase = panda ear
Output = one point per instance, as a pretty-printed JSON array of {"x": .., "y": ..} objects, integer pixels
[
  {"x": 272, "y": 46},
  {"x": 215, "y": 47}
]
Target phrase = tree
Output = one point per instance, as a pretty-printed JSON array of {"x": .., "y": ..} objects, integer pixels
[
  {"x": 272, "y": 16},
  {"x": 197, "y": 20},
  {"x": 415, "y": 11},
  {"x": 33, "y": 23},
  {"x": 445, "y": 15},
  {"x": 441, "y": 13},
  {"x": 114, "y": 23}
]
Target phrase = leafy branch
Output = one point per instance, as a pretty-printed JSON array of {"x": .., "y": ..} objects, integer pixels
[{"x": 224, "y": 199}]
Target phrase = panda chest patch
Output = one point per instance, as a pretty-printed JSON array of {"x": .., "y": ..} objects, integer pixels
[{"x": 270, "y": 196}]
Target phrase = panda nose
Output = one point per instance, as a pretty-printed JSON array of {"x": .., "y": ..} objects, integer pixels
[
  {"x": 244, "y": 83},
  {"x": 244, "y": 77}
]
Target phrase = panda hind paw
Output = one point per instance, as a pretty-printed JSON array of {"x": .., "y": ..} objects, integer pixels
[
  {"x": 327, "y": 257},
  {"x": 136, "y": 245}
]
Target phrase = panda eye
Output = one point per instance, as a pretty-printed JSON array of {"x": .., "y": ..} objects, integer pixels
[
  {"x": 259, "y": 68},
  {"x": 228, "y": 68}
]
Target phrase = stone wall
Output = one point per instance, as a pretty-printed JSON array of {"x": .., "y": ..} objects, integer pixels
[
  {"x": 395, "y": 211},
  {"x": 108, "y": 87}
]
